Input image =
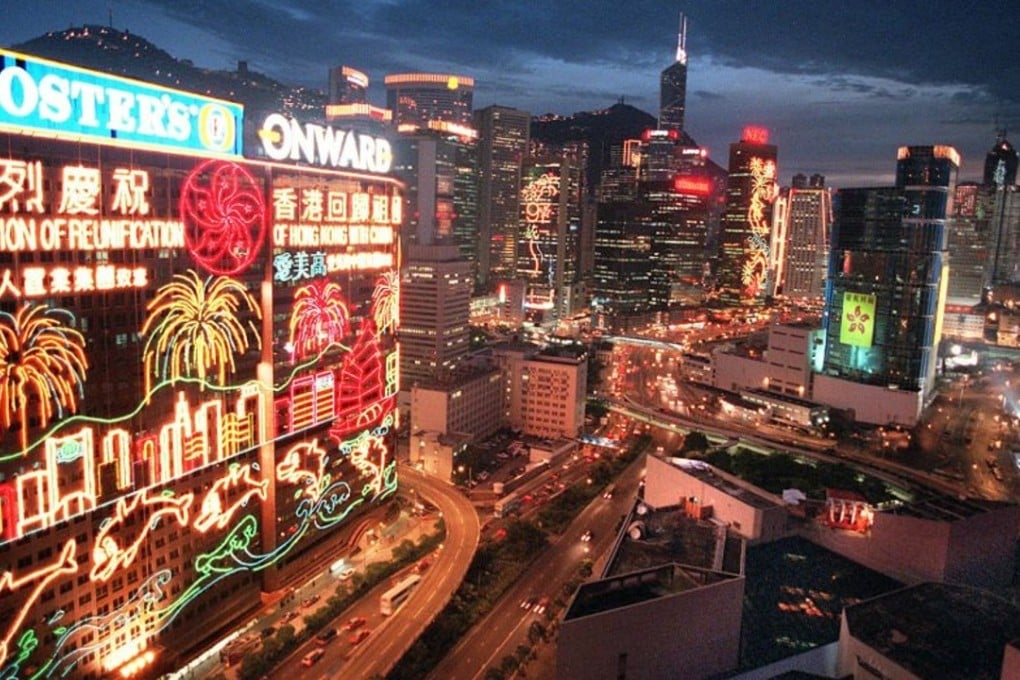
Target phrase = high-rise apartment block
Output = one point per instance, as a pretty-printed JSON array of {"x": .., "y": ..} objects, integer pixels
[{"x": 503, "y": 136}]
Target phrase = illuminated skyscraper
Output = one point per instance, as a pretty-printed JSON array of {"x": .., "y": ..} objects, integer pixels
[
  {"x": 1001, "y": 163},
  {"x": 423, "y": 101},
  {"x": 347, "y": 85},
  {"x": 743, "y": 269},
  {"x": 802, "y": 251},
  {"x": 435, "y": 296},
  {"x": 886, "y": 289},
  {"x": 673, "y": 86},
  {"x": 503, "y": 135},
  {"x": 969, "y": 239}
]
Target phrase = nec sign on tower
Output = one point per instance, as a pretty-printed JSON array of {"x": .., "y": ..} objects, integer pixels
[
  {"x": 285, "y": 139},
  {"x": 69, "y": 102}
]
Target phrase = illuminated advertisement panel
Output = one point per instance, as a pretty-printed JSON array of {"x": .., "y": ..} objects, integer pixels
[
  {"x": 857, "y": 327},
  {"x": 74, "y": 103},
  {"x": 183, "y": 342},
  {"x": 540, "y": 214},
  {"x": 755, "y": 271}
]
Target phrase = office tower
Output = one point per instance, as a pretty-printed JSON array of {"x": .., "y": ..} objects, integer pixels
[
  {"x": 465, "y": 198},
  {"x": 1001, "y": 163},
  {"x": 673, "y": 86},
  {"x": 548, "y": 246},
  {"x": 347, "y": 85},
  {"x": 743, "y": 268},
  {"x": 802, "y": 252},
  {"x": 503, "y": 136},
  {"x": 426, "y": 163},
  {"x": 435, "y": 297},
  {"x": 348, "y": 105},
  {"x": 886, "y": 288},
  {"x": 968, "y": 240},
  {"x": 423, "y": 101},
  {"x": 183, "y": 364}
]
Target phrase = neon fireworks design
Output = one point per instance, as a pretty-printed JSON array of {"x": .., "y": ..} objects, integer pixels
[
  {"x": 386, "y": 302},
  {"x": 318, "y": 319},
  {"x": 195, "y": 329},
  {"x": 755, "y": 272},
  {"x": 41, "y": 359},
  {"x": 224, "y": 214}
]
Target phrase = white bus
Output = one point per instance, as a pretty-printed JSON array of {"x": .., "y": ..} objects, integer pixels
[{"x": 396, "y": 595}]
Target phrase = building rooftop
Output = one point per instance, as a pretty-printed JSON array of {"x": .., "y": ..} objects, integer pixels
[
  {"x": 793, "y": 595},
  {"x": 639, "y": 586},
  {"x": 730, "y": 485},
  {"x": 668, "y": 535},
  {"x": 938, "y": 630},
  {"x": 945, "y": 508},
  {"x": 462, "y": 375}
]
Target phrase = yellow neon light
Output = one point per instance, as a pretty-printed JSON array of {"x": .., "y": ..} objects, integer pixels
[
  {"x": 197, "y": 329},
  {"x": 213, "y": 514}
]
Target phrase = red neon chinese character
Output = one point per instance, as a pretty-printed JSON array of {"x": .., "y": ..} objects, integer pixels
[
  {"x": 81, "y": 191},
  {"x": 130, "y": 187},
  {"x": 18, "y": 178}
]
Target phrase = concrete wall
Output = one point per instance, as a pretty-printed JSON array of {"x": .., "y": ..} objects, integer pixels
[
  {"x": 870, "y": 403},
  {"x": 694, "y": 634},
  {"x": 735, "y": 372}
]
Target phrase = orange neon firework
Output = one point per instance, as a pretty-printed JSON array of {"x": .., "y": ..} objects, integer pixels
[
  {"x": 318, "y": 319},
  {"x": 386, "y": 301},
  {"x": 195, "y": 328},
  {"x": 39, "y": 357}
]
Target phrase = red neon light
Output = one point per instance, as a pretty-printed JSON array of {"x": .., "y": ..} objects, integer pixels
[
  {"x": 224, "y": 217},
  {"x": 755, "y": 134},
  {"x": 699, "y": 186},
  {"x": 318, "y": 319},
  {"x": 361, "y": 390}
]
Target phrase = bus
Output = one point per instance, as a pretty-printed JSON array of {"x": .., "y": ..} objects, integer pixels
[
  {"x": 505, "y": 506},
  {"x": 396, "y": 595}
]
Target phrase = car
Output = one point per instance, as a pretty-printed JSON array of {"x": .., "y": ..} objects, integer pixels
[
  {"x": 354, "y": 623},
  {"x": 541, "y": 606},
  {"x": 288, "y": 617},
  {"x": 358, "y": 636},
  {"x": 326, "y": 636},
  {"x": 346, "y": 574},
  {"x": 312, "y": 657},
  {"x": 527, "y": 603},
  {"x": 309, "y": 601},
  {"x": 586, "y": 536}
]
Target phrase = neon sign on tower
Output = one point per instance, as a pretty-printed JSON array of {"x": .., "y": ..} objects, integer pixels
[{"x": 188, "y": 339}]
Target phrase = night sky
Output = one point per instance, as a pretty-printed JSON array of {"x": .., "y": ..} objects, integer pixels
[{"x": 840, "y": 84}]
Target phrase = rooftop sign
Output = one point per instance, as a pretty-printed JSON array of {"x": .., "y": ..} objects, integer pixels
[{"x": 67, "y": 102}]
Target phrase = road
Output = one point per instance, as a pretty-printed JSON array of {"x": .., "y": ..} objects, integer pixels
[
  {"x": 392, "y": 636},
  {"x": 506, "y": 626}
]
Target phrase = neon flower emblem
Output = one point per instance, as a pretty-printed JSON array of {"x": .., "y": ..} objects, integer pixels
[
  {"x": 42, "y": 362},
  {"x": 195, "y": 329},
  {"x": 224, "y": 216},
  {"x": 857, "y": 320},
  {"x": 318, "y": 319}
]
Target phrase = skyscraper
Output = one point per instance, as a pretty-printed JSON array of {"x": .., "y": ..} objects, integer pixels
[
  {"x": 435, "y": 292},
  {"x": 673, "y": 85},
  {"x": 347, "y": 85},
  {"x": 1001, "y": 163},
  {"x": 743, "y": 269},
  {"x": 503, "y": 135},
  {"x": 423, "y": 101},
  {"x": 803, "y": 252},
  {"x": 886, "y": 289}
]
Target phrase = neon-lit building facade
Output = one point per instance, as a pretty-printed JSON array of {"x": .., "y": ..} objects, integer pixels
[
  {"x": 743, "y": 272},
  {"x": 673, "y": 85},
  {"x": 199, "y": 365}
]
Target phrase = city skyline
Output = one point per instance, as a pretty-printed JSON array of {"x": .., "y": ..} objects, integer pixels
[{"x": 840, "y": 88}]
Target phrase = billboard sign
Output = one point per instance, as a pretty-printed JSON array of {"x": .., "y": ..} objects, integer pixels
[
  {"x": 857, "y": 327},
  {"x": 67, "y": 102}
]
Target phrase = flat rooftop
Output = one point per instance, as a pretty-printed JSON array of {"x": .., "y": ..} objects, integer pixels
[
  {"x": 945, "y": 508},
  {"x": 636, "y": 587},
  {"x": 745, "y": 493},
  {"x": 793, "y": 595},
  {"x": 938, "y": 630}
]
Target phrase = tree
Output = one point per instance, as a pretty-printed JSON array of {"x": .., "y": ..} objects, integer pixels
[
  {"x": 695, "y": 441},
  {"x": 523, "y": 651},
  {"x": 509, "y": 664},
  {"x": 536, "y": 632}
]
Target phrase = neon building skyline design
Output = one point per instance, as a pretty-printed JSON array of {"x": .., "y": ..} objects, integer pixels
[{"x": 200, "y": 376}]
